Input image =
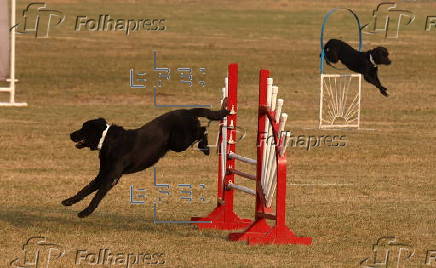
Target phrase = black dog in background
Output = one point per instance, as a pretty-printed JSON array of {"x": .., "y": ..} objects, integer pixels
[
  {"x": 364, "y": 63},
  {"x": 129, "y": 151}
]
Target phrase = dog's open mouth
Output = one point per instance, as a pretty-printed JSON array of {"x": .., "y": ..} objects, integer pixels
[{"x": 80, "y": 144}]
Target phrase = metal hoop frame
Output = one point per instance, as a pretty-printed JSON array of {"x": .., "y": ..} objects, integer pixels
[{"x": 325, "y": 20}]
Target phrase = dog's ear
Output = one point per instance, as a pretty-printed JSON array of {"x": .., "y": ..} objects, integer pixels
[
  {"x": 101, "y": 120},
  {"x": 99, "y": 123},
  {"x": 382, "y": 50}
]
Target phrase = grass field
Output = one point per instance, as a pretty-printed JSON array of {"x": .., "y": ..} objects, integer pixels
[{"x": 381, "y": 184}]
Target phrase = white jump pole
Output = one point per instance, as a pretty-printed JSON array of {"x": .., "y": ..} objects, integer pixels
[
  {"x": 12, "y": 48},
  {"x": 223, "y": 91},
  {"x": 275, "y": 91},
  {"x": 271, "y": 155},
  {"x": 273, "y": 164},
  {"x": 270, "y": 140},
  {"x": 242, "y": 174},
  {"x": 269, "y": 197},
  {"x": 269, "y": 83},
  {"x": 272, "y": 181},
  {"x": 242, "y": 188},
  {"x": 12, "y": 80},
  {"x": 224, "y": 131},
  {"x": 247, "y": 160}
]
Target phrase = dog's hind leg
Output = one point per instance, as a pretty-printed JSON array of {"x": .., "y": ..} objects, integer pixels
[{"x": 87, "y": 190}]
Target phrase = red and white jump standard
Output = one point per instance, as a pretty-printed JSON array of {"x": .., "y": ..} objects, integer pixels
[{"x": 270, "y": 176}]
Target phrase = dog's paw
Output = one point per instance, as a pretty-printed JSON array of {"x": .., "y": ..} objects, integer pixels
[
  {"x": 68, "y": 202},
  {"x": 384, "y": 92},
  {"x": 84, "y": 213},
  {"x": 206, "y": 151},
  {"x": 203, "y": 147}
]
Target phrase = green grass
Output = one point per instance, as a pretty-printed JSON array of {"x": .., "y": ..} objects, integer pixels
[{"x": 72, "y": 76}]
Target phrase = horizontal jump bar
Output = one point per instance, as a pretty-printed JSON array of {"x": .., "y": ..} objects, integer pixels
[
  {"x": 241, "y": 188},
  {"x": 247, "y": 160},
  {"x": 266, "y": 216},
  {"x": 242, "y": 174}
]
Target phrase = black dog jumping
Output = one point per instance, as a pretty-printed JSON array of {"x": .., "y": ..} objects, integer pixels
[
  {"x": 364, "y": 63},
  {"x": 129, "y": 151}
]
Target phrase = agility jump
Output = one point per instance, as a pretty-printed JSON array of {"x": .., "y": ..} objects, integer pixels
[
  {"x": 340, "y": 95},
  {"x": 7, "y": 52},
  {"x": 270, "y": 175}
]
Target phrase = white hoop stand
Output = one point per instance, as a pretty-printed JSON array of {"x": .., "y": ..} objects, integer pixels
[
  {"x": 11, "y": 88},
  {"x": 339, "y": 103}
]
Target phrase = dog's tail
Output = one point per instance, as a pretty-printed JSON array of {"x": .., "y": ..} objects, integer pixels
[{"x": 209, "y": 114}]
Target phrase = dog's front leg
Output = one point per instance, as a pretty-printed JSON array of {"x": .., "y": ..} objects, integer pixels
[
  {"x": 373, "y": 79},
  {"x": 203, "y": 144},
  {"x": 87, "y": 190},
  {"x": 108, "y": 181}
]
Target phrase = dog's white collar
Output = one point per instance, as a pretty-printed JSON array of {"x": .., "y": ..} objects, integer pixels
[
  {"x": 372, "y": 60},
  {"x": 103, "y": 136}
]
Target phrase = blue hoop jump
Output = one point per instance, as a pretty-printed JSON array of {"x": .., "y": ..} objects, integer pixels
[{"x": 326, "y": 16}]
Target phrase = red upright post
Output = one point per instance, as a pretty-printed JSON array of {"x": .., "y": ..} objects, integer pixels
[
  {"x": 223, "y": 217},
  {"x": 262, "y": 135}
]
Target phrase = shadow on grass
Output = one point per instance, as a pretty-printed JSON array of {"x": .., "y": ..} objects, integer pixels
[
  {"x": 66, "y": 220},
  {"x": 54, "y": 217}
]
